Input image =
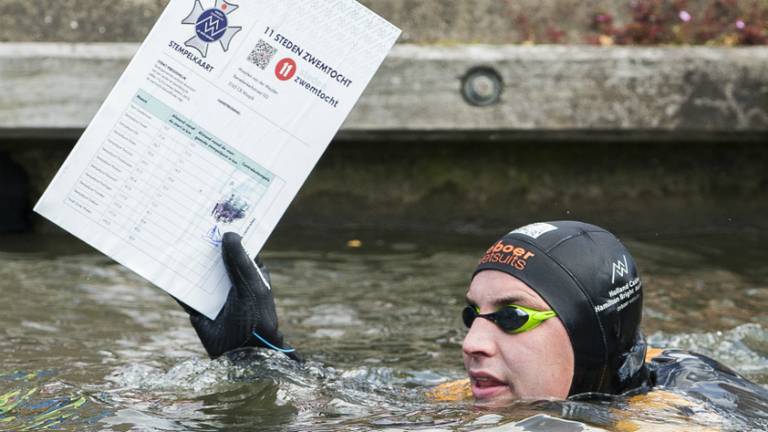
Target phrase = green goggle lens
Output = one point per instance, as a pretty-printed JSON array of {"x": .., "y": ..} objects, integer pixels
[{"x": 511, "y": 318}]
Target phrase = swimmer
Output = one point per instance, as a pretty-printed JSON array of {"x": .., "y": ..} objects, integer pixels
[{"x": 553, "y": 313}]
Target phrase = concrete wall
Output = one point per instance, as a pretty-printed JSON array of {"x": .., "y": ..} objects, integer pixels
[
  {"x": 547, "y": 89},
  {"x": 655, "y": 138},
  {"x": 468, "y": 186},
  {"x": 422, "y": 21},
  {"x": 486, "y": 186}
]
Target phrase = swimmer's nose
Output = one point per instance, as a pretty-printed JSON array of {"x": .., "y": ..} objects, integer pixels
[{"x": 481, "y": 339}]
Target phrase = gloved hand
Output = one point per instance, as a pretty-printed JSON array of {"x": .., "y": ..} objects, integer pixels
[{"x": 249, "y": 310}]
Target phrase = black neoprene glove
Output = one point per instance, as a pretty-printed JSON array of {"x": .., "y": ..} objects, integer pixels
[{"x": 249, "y": 309}]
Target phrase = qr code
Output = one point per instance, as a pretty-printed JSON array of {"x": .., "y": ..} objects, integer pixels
[{"x": 262, "y": 54}]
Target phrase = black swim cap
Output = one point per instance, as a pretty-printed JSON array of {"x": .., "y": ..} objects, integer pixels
[{"x": 589, "y": 278}]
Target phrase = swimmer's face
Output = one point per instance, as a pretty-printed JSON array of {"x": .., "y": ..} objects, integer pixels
[{"x": 504, "y": 367}]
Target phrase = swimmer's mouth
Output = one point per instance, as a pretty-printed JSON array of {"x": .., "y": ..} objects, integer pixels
[{"x": 485, "y": 385}]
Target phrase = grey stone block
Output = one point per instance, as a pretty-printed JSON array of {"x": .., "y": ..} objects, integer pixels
[
  {"x": 548, "y": 89},
  {"x": 422, "y": 21}
]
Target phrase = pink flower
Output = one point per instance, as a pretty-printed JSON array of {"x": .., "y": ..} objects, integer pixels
[
  {"x": 740, "y": 25},
  {"x": 684, "y": 16}
]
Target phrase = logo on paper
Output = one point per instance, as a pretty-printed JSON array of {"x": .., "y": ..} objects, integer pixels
[
  {"x": 211, "y": 26},
  {"x": 619, "y": 268},
  {"x": 285, "y": 69}
]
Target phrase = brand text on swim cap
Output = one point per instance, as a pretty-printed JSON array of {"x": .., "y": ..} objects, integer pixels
[{"x": 509, "y": 254}]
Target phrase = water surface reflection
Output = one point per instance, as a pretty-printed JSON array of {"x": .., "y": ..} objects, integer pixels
[{"x": 90, "y": 346}]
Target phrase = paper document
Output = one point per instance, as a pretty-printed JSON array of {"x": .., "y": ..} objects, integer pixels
[{"x": 214, "y": 126}]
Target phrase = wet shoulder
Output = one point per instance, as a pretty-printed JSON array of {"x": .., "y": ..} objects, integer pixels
[
  {"x": 681, "y": 412},
  {"x": 710, "y": 382},
  {"x": 452, "y": 391}
]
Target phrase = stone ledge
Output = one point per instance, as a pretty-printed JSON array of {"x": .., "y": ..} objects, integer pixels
[
  {"x": 422, "y": 21},
  {"x": 50, "y": 88}
]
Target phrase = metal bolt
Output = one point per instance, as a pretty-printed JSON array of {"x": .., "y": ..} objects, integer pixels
[{"x": 481, "y": 86}]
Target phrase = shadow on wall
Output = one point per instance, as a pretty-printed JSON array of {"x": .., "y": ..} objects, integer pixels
[
  {"x": 14, "y": 196},
  {"x": 478, "y": 184}
]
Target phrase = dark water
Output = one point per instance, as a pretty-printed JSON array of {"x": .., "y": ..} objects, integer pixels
[{"x": 87, "y": 345}]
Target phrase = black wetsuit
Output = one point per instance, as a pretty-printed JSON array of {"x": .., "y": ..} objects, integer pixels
[{"x": 707, "y": 380}]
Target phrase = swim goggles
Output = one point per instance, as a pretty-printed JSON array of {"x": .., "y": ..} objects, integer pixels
[{"x": 510, "y": 318}]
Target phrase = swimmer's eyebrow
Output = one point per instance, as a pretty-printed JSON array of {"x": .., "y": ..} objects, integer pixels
[
  {"x": 504, "y": 301},
  {"x": 518, "y": 300}
]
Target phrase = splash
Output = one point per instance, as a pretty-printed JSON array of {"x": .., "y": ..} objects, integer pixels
[{"x": 745, "y": 347}]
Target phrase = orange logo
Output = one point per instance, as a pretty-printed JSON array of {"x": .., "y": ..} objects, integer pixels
[{"x": 509, "y": 254}]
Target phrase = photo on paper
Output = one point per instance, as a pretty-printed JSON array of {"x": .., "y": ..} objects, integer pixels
[
  {"x": 231, "y": 209},
  {"x": 240, "y": 197}
]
